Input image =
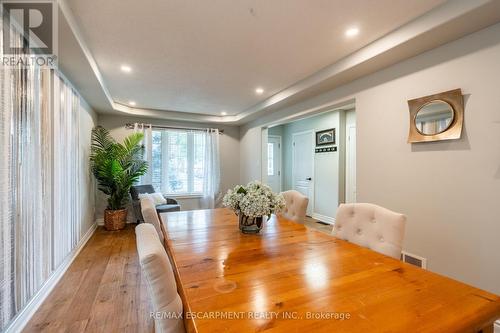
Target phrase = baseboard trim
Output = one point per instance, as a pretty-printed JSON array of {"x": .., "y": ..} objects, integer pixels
[
  {"x": 24, "y": 316},
  {"x": 100, "y": 221},
  {"x": 323, "y": 218}
]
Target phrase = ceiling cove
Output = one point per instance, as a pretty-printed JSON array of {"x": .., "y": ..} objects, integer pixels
[{"x": 443, "y": 23}]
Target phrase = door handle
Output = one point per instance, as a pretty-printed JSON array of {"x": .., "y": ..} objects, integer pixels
[{"x": 309, "y": 178}]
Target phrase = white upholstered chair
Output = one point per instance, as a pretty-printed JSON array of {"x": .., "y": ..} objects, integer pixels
[
  {"x": 295, "y": 207},
  {"x": 371, "y": 226},
  {"x": 150, "y": 215},
  {"x": 166, "y": 302}
]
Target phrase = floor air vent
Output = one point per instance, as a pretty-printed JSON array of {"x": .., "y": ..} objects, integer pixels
[
  {"x": 414, "y": 260},
  {"x": 323, "y": 223}
]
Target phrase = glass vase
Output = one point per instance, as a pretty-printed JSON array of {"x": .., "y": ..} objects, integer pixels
[{"x": 250, "y": 225}]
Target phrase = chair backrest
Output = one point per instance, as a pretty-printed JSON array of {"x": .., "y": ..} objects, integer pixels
[
  {"x": 371, "y": 226},
  {"x": 138, "y": 189},
  {"x": 148, "y": 210},
  {"x": 295, "y": 207},
  {"x": 166, "y": 302}
]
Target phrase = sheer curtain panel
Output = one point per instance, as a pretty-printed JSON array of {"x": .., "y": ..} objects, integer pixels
[
  {"x": 147, "y": 142},
  {"x": 41, "y": 172},
  {"x": 211, "y": 175}
]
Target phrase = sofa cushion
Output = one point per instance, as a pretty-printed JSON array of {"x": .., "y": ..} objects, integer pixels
[{"x": 138, "y": 189}]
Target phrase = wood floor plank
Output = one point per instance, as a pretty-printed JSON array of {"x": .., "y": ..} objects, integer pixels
[{"x": 102, "y": 290}]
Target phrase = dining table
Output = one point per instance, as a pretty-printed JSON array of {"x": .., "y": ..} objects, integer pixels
[{"x": 292, "y": 278}]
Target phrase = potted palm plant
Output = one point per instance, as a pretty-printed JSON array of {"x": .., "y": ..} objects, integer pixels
[{"x": 116, "y": 166}]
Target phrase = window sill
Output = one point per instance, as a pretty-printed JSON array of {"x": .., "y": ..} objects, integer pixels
[{"x": 183, "y": 196}]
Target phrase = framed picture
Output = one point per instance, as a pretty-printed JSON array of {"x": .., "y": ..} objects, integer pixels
[{"x": 326, "y": 137}]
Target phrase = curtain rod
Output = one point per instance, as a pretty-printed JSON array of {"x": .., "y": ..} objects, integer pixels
[{"x": 131, "y": 126}]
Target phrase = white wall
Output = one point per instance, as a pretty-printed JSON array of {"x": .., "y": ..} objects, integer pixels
[
  {"x": 276, "y": 130},
  {"x": 229, "y": 147},
  {"x": 88, "y": 119},
  {"x": 250, "y": 154},
  {"x": 449, "y": 190}
]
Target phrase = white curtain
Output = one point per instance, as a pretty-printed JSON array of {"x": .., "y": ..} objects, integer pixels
[
  {"x": 211, "y": 178},
  {"x": 66, "y": 169},
  {"x": 25, "y": 217},
  {"x": 147, "y": 142},
  {"x": 6, "y": 205},
  {"x": 40, "y": 181}
]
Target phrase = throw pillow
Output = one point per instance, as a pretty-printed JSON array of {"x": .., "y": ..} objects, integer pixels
[
  {"x": 144, "y": 195},
  {"x": 158, "y": 198}
]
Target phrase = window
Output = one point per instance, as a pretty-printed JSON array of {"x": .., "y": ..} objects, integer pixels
[{"x": 178, "y": 162}]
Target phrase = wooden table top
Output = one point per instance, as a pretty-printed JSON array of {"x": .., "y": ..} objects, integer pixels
[{"x": 290, "y": 278}]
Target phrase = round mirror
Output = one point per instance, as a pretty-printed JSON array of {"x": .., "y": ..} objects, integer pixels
[{"x": 434, "y": 117}]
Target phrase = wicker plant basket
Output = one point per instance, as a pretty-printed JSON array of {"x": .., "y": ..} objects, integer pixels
[{"x": 115, "y": 219}]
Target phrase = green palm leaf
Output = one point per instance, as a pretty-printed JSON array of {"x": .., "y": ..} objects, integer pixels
[{"x": 116, "y": 166}]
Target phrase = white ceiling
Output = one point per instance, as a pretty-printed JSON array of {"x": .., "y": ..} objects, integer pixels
[{"x": 209, "y": 56}]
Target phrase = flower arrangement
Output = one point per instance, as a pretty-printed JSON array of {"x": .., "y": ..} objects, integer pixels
[{"x": 254, "y": 200}]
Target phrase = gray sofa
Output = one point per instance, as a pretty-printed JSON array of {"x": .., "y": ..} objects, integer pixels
[{"x": 171, "y": 206}]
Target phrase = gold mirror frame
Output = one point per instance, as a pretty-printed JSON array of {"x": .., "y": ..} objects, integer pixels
[{"x": 454, "y": 131}]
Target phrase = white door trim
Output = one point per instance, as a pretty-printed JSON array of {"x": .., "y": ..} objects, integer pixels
[
  {"x": 324, "y": 218},
  {"x": 281, "y": 158},
  {"x": 350, "y": 164},
  {"x": 311, "y": 199},
  {"x": 263, "y": 155}
]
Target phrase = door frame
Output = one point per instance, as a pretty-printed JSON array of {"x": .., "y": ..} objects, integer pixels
[
  {"x": 281, "y": 158},
  {"x": 313, "y": 182},
  {"x": 350, "y": 171}
]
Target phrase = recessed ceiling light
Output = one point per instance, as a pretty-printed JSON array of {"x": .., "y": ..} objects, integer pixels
[
  {"x": 126, "y": 68},
  {"x": 351, "y": 32},
  {"x": 259, "y": 91},
  {"x": 223, "y": 113},
  {"x": 131, "y": 103}
]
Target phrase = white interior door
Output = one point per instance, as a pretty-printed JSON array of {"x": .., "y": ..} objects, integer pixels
[
  {"x": 274, "y": 163},
  {"x": 303, "y": 166},
  {"x": 350, "y": 172}
]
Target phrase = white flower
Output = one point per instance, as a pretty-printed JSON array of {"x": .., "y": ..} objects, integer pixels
[{"x": 254, "y": 200}]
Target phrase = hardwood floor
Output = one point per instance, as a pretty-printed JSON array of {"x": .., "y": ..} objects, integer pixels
[
  {"x": 313, "y": 223},
  {"x": 102, "y": 291}
]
